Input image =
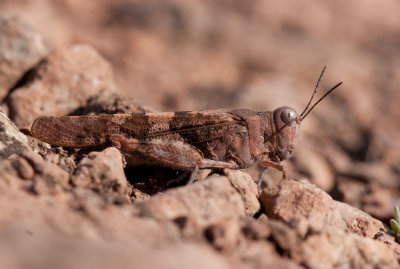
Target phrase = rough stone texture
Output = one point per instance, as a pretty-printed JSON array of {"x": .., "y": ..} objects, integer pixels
[
  {"x": 113, "y": 103},
  {"x": 198, "y": 205},
  {"x": 261, "y": 254},
  {"x": 48, "y": 177},
  {"x": 20, "y": 48},
  {"x": 12, "y": 144},
  {"x": 257, "y": 230},
  {"x": 17, "y": 160},
  {"x": 9, "y": 178},
  {"x": 246, "y": 187},
  {"x": 60, "y": 84},
  {"x": 224, "y": 235},
  {"x": 12, "y": 141},
  {"x": 331, "y": 248},
  {"x": 247, "y": 240},
  {"x": 305, "y": 206},
  {"x": 302, "y": 204},
  {"x": 336, "y": 249},
  {"x": 103, "y": 172},
  {"x": 358, "y": 221},
  {"x": 389, "y": 240}
]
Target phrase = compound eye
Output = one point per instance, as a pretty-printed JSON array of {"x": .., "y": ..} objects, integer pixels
[{"x": 288, "y": 116}]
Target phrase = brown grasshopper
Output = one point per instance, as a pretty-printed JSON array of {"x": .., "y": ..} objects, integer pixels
[{"x": 186, "y": 140}]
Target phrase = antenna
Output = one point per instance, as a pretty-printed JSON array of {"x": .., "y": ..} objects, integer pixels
[
  {"x": 325, "y": 95},
  {"x": 315, "y": 90}
]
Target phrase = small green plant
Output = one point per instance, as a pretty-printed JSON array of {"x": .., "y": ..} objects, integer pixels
[{"x": 395, "y": 223}]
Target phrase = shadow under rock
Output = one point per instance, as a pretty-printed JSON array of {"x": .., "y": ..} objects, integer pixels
[{"x": 151, "y": 180}]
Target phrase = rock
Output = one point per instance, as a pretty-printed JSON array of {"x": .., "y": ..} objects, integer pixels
[
  {"x": 378, "y": 201},
  {"x": 184, "y": 255},
  {"x": 48, "y": 177},
  {"x": 60, "y": 84},
  {"x": 24, "y": 169},
  {"x": 389, "y": 241},
  {"x": 65, "y": 253},
  {"x": 371, "y": 172},
  {"x": 12, "y": 141},
  {"x": 18, "y": 161},
  {"x": 224, "y": 235},
  {"x": 257, "y": 229},
  {"x": 349, "y": 191},
  {"x": 252, "y": 245},
  {"x": 305, "y": 207},
  {"x": 113, "y": 103},
  {"x": 260, "y": 251},
  {"x": 358, "y": 221},
  {"x": 331, "y": 248},
  {"x": 262, "y": 254},
  {"x": 370, "y": 197},
  {"x": 103, "y": 172},
  {"x": 9, "y": 178},
  {"x": 247, "y": 188},
  {"x": 284, "y": 236},
  {"x": 12, "y": 144},
  {"x": 137, "y": 195},
  {"x": 202, "y": 204},
  {"x": 375, "y": 172},
  {"x": 301, "y": 204},
  {"x": 40, "y": 177},
  {"x": 336, "y": 249},
  {"x": 20, "y": 48}
]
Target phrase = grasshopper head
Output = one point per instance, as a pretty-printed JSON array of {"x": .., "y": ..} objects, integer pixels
[{"x": 287, "y": 124}]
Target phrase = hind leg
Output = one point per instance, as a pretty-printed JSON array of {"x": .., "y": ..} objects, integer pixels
[{"x": 172, "y": 153}]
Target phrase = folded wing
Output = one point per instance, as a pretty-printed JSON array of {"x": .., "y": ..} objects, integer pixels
[{"x": 87, "y": 131}]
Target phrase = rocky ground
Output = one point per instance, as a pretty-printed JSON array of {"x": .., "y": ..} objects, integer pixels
[{"x": 70, "y": 208}]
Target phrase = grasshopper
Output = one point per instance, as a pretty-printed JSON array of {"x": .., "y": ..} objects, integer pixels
[{"x": 186, "y": 140}]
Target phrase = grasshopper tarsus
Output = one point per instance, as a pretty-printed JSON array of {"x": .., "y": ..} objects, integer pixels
[
  {"x": 193, "y": 175},
  {"x": 261, "y": 179}
]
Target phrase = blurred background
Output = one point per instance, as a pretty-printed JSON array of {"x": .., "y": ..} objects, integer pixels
[{"x": 259, "y": 54}]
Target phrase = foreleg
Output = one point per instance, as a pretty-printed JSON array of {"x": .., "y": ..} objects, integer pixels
[{"x": 275, "y": 165}]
